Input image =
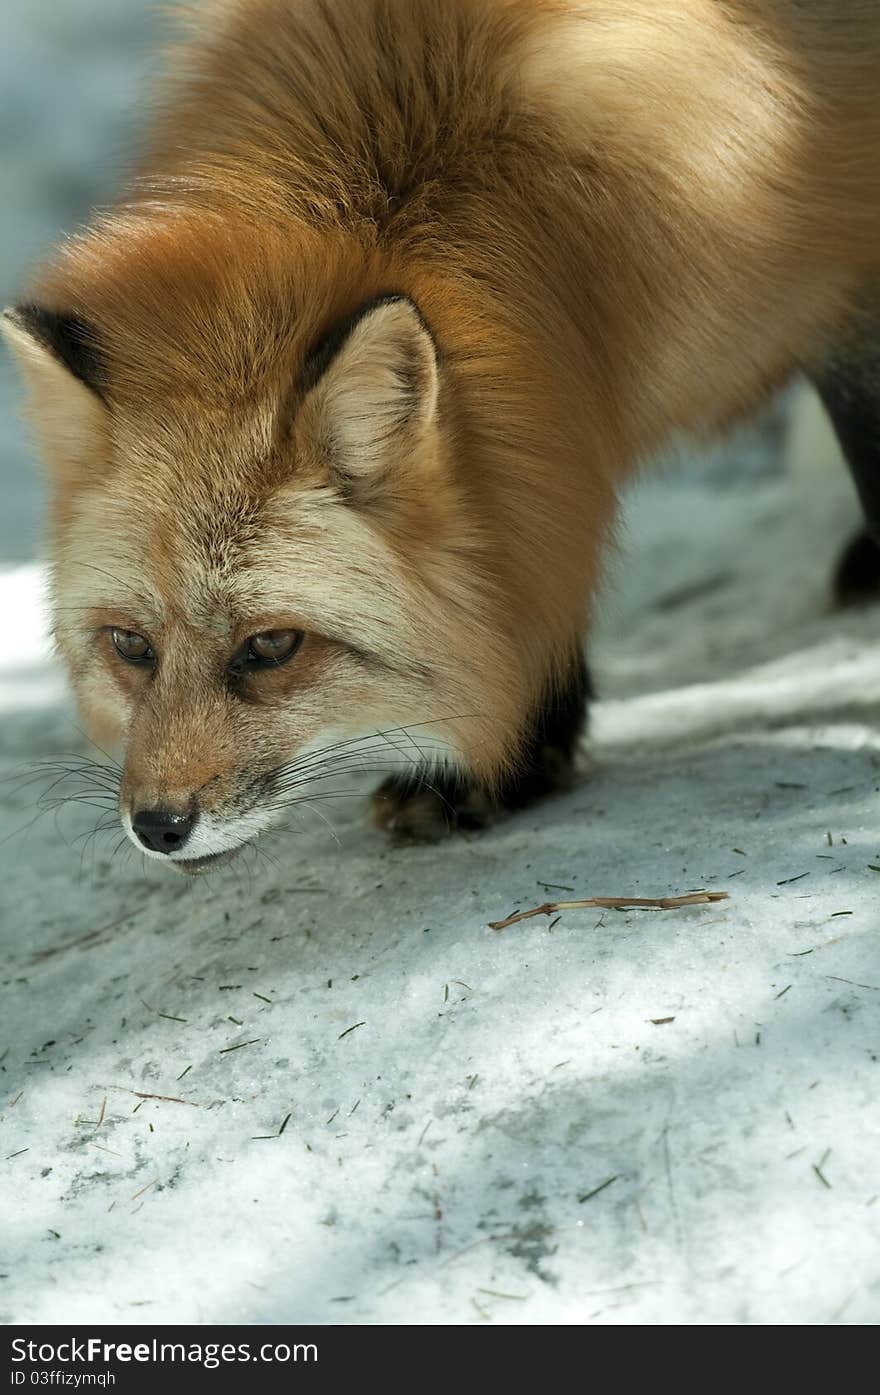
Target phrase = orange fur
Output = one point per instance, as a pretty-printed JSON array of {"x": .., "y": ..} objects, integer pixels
[{"x": 619, "y": 221}]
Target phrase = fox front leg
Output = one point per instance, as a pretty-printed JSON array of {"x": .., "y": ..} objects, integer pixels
[{"x": 849, "y": 386}]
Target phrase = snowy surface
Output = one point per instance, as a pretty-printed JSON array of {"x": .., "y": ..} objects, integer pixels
[
  {"x": 512, "y": 1132},
  {"x": 438, "y": 1160}
]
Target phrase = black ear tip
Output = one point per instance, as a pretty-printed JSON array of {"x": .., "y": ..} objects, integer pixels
[
  {"x": 16, "y": 315},
  {"x": 324, "y": 352},
  {"x": 70, "y": 338},
  {"x": 44, "y": 324},
  {"x": 27, "y": 314}
]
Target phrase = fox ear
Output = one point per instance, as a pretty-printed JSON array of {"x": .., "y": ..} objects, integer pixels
[
  {"x": 371, "y": 390},
  {"x": 49, "y": 339},
  {"x": 64, "y": 374}
]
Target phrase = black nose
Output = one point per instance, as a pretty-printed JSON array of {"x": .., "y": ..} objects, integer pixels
[{"x": 161, "y": 830}]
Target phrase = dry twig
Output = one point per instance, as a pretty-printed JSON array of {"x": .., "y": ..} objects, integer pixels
[{"x": 614, "y": 903}]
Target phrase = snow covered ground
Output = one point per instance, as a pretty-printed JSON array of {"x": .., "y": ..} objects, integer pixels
[
  {"x": 320, "y": 1088},
  {"x": 382, "y": 1110}
]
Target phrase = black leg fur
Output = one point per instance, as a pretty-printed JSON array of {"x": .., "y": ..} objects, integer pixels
[
  {"x": 849, "y": 385},
  {"x": 427, "y": 806},
  {"x": 857, "y": 575}
]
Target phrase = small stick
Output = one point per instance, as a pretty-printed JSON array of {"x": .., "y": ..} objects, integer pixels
[
  {"x": 169, "y": 1099},
  {"x": 144, "y": 1095},
  {"x": 613, "y": 903},
  {"x": 144, "y": 1189}
]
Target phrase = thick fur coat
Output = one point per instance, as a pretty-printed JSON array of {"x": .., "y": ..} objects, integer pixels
[{"x": 400, "y": 295}]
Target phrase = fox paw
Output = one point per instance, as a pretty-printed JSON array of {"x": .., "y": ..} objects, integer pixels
[
  {"x": 420, "y": 812},
  {"x": 419, "y": 809}
]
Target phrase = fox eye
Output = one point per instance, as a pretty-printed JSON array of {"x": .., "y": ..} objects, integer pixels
[
  {"x": 268, "y": 649},
  {"x": 274, "y": 646},
  {"x": 132, "y": 647}
]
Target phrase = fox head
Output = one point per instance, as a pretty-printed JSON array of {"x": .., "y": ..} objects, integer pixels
[{"x": 265, "y": 539}]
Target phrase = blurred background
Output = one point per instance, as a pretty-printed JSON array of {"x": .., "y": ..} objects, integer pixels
[{"x": 72, "y": 78}]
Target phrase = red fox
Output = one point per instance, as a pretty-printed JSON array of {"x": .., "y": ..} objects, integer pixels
[{"x": 337, "y": 400}]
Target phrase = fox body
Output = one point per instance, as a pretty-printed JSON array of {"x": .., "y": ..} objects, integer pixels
[{"x": 338, "y": 398}]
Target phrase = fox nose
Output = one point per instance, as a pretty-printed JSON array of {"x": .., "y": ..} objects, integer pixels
[{"x": 161, "y": 830}]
